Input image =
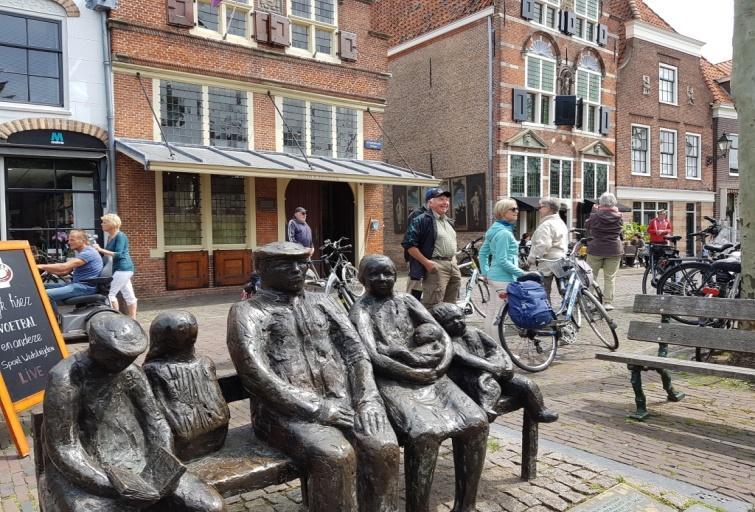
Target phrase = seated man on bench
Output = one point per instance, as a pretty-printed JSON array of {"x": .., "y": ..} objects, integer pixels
[
  {"x": 316, "y": 397},
  {"x": 110, "y": 447}
]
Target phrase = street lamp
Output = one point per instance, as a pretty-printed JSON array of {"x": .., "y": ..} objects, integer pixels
[{"x": 724, "y": 145}]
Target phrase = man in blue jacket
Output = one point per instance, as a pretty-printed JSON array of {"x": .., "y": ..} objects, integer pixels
[{"x": 431, "y": 242}]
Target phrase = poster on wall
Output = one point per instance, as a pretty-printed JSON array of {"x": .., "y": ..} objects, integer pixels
[
  {"x": 476, "y": 218},
  {"x": 459, "y": 202},
  {"x": 413, "y": 200},
  {"x": 399, "y": 209}
]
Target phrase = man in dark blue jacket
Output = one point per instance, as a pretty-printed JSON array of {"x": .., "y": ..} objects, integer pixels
[{"x": 431, "y": 242}]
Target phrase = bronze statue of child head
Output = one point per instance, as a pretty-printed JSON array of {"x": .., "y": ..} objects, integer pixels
[
  {"x": 115, "y": 341},
  {"x": 172, "y": 333},
  {"x": 378, "y": 275},
  {"x": 451, "y": 318}
]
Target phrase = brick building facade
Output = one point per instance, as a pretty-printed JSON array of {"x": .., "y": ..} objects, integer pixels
[
  {"x": 242, "y": 91},
  {"x": 663, "y": 127}
]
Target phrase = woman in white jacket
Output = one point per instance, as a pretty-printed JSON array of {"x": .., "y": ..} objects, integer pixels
[{"x": 550, "y": 240}]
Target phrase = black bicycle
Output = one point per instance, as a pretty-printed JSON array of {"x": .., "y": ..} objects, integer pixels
[{"x": 341, "y": 274}]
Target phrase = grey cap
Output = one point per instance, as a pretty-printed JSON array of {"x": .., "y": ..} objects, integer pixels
[
  {"x": 300, "y": 209},
  {"x": 276, "y": 250}
]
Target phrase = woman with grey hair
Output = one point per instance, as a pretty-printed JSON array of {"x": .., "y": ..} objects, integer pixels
[
  {"x": 550, "y": 240},
  {"x": 605, "y": 249}
]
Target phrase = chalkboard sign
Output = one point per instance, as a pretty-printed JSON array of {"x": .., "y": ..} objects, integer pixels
[{"x": 30, "y": 340}]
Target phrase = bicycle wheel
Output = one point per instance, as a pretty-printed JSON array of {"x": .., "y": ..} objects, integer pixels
[
  {"x": 687, "y": 279},
  {"x": 596, "y": 317},
  {"x": 350, "y": 280},
  {"x": 532, "y": 350}
]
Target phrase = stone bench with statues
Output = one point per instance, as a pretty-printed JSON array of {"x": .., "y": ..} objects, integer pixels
[{"x": 332, "y": 397}]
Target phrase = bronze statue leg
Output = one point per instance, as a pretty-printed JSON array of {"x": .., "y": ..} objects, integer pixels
[
  {"x": 377, "y": 472},
  {"x": 469, "y": 459},
  {"x": 193, "y": 495},
  {"x": 420, "y": 456},
  {"x": 528, "y": 393}
]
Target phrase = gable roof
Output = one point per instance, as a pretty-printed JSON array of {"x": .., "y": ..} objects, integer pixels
[
  {"x": 629, "y": 10},
  {"x": 711, "y": 74}
]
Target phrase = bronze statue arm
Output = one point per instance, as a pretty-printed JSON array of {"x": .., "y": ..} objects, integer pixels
[
  {"x": 155, "y": 426},
  {"x": 385, "y": 365},
  {"x": 246, "y": 344},
  {"x": 61, "y": 406},
  {"x": 421, "y": 315},
  {"x": 464, "y": 357},
  {"x": 496, "y": 355}
]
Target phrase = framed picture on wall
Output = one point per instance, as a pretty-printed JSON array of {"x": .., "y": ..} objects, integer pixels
[
  {"x": 477, "y": 218},
  {"x": 399, "y": 209},
  {"x": 459, "y": 202},
  {"x": 413, "y": 200}
]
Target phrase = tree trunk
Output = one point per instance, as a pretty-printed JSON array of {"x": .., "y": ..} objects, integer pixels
[{"x": 744, "y": 96}]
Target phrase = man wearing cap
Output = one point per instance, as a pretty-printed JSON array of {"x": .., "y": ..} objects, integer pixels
[
  {"x": 298, "y": 231},
  {"x": 431, "y": 242},
  {"x": 315, "y": 396}
]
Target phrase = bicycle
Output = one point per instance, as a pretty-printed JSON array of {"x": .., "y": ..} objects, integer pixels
[
  {"x": 341, "y": 274},
  {"x": 471, "y": 263},
  {"x": 533, "y": 350}
]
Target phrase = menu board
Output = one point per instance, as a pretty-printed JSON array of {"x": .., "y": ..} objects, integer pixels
[{"x": 30, "y": 340}]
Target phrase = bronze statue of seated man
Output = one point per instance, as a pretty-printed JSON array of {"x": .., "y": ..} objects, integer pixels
[
  {"x": 483, "y": 370},
  {"x": 424, "y": 405},
  {"x": 110, "y": 446},
  {"x": 315, "y": 396},
  {"x": 185, "y": 386}
]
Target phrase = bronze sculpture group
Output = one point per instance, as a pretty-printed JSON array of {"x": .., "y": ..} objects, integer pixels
[{"x": 336, "y": 391}]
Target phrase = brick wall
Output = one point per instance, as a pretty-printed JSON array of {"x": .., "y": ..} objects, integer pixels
[
  {"x": 373, "y": 209},
  {"x": 267, "y": 221}
]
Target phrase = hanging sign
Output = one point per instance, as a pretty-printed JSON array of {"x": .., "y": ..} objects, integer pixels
[{"x": 30, "y": 340}]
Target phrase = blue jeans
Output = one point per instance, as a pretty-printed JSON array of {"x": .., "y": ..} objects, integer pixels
[{"x": 58, "y": 292}]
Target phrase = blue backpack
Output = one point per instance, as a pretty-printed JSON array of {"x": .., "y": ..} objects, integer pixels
[{"x": 528, "y": 305}]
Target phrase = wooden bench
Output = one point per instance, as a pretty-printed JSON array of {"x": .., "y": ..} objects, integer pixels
[
  {"x": 244, "y": 464},
  {"x": 666, "y": 333}
]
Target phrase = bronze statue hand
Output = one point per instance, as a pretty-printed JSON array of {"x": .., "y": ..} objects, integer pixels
[
  {"x": 333, "y": 413},
  {"x": 371, "y": 419}
]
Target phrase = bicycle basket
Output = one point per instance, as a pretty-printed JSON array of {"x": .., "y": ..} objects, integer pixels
[
  {"x": 561, "y": 268},
  {"x": 584, "y": 272}
]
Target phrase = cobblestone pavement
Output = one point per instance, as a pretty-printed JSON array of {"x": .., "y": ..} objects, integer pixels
[{"x": 707, "y": 440}]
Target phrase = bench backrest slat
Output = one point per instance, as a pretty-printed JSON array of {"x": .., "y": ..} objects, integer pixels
[
  {"x": 693, "y": 336},
  {"x": 706, "y": 307}
]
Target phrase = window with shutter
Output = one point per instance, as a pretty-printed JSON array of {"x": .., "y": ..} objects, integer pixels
[
  {"x": 541, "y": 88},
  {"x": 528, "y": 7},
  {"x": 262, "y": 27},
  {"x": 567, "y": 22},
  {"x": 566, "y": 110},
  {"x": 602, "y": 37},
  {"x": 314, "y": 31},
  {"x": 280, "y": 30},
  {"x": 347, "y": 42},
  {"x": 542, "y": 12},
  {"x": 605, "y": 121},
  {"x": 587, "y": 13},
  {"x": 588, "y": 89},
  {"x": 181, "y": 13},
  {"x": 519, "y": 103},
  {"x": 229, "y": 19}
]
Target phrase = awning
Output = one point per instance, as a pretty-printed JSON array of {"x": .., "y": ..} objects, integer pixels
[
  {"x": 156, "y": 156},
  {"x": 622, "y": 208},
  {"x": 527, "y": 204}
]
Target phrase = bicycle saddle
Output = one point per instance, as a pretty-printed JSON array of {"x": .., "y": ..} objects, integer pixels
[
  {"x": 727, "y": 265},
  {"x": 718, "y": 248},
  {"x": 673, "y": 238}
]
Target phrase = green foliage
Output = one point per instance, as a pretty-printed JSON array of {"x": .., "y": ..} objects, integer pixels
[{"x": 633, "y": 228}]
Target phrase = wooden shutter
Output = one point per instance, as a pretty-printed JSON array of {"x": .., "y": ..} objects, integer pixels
[
  {"x": 605, "y": 120},
  {"x": 181, "y": 13},
  {"x": 280, "y": 30},
  {"x": 519, "y": 103},
  {"x": 187, "y": 270},
  {"x": 261, "y": 27},
  {"x": 528, "y": 9},
  {"x": 567, "y": 22},
  {"x": 347, "y": 46},
  {"x": 580, "y": 111},
  {"x": 602, "y": 36},
  {"x": 232, "y": 267},
  {"x": 566, "y": 110}
]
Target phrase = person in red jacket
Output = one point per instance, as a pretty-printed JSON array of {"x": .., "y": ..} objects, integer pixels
[{"x": 659, "y": 228}]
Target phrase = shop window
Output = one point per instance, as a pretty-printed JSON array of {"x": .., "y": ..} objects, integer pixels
[
  {"x": 594, "y": 179},
  {"x": 228, "y": 123},
  {"x": 667, "y": 84},
  {"x": 313, "y": 26},
  {"x": 692, "y": 156},
  {"x": 346, "y": 131},
  {"x": 668, "y": 153},
  {"x": 525, "y": 175},
  {"x": 644, "y": 211},
  {"x": 46, "y": 198},
  {"x": 182, "y": 209},
  {"x": 312, "y": 126},
  {"x": 560, "y": 178},
  {"x": 586, "y": 23},
  {"x": 228, "y": 210},
  {"x": 640, "y": 149},
  {"x": 181, "y": 112},
  {"x": 229, "y": 18},
  {"x": 31, "y": 60}
]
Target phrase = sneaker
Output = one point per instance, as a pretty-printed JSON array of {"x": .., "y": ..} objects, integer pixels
[{"x": 608, "y": 307}]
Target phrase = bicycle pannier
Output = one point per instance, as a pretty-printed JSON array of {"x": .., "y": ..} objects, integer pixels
[{"x": 528, "y": 305}]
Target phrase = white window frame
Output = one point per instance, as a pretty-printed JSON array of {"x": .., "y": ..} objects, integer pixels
[
  {"x": 313, "y": 25},
  {"x": 225, "y": 8},
  {"x": 733, "y": 171},
  {"x": 675, "y": 101},
  {"x": 660, "y": 152},
  {"x": 647, "y": 151},
  {"x": 544, "y": 5},
  {"x": 539, "y": 92},
  {"x": 657, "y": 206},
  {"x": 307, "y": 144},
  {"x": 560, "y": 177},
  {"x": 595, "y": 177},
  {"x": 587, "y": 102},
  {"x": 526, "y": 156},
  {"x": 699, "y": 169},
  {"x": 586, "y": 18}
]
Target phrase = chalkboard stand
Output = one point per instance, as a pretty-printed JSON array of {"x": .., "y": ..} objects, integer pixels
[{"x": 11, "y": 408}]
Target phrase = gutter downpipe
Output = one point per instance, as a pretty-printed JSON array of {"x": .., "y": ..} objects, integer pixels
[
  {"x": 112, "y": 199},
  {"x": 491, "y": 168}
]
